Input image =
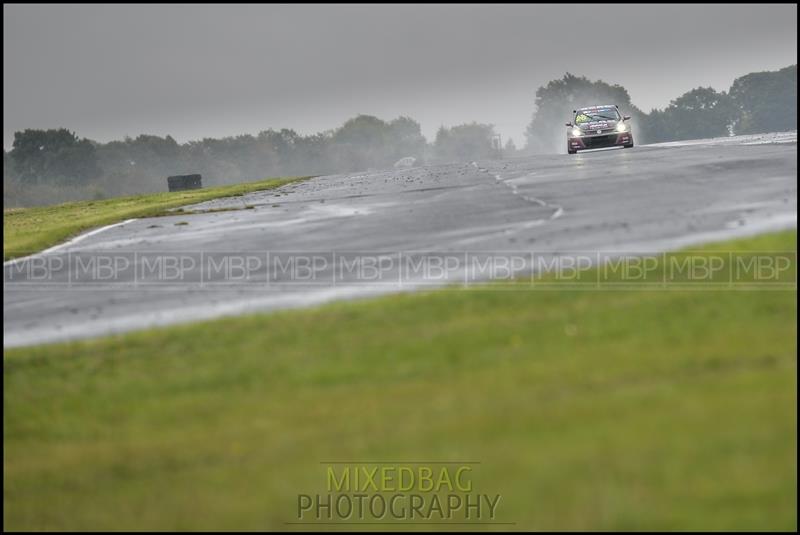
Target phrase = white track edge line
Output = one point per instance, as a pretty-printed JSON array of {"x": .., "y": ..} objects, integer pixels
[{"x": 67, "y": 243}]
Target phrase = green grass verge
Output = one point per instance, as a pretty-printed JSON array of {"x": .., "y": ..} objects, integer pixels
[
  {"x": 30, "y": 230},
  {"x": 587, "y": 410}
]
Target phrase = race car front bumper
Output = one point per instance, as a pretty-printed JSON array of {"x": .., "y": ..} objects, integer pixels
[{"x": 597, "y": 141}]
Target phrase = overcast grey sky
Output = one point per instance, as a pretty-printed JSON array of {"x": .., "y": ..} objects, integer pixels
[{"x": 107, "y": 71}]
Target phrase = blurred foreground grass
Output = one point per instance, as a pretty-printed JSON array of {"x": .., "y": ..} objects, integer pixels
[
  {"x": 30, "y": 230},
  {"x": 655, "y": 409}
]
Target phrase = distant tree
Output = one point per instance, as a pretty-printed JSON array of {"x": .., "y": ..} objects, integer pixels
[
  {"x": 366, "y": 142},
  {"x": 510, "y": 148},
  {"x": 9, "y": 173},
  {"x": 699, "y": 113},
  {"x": 145, "y": 151},
  {"x": 276, "y": 148},
  {"x": 364, "y": 130},
  {"x": 405, "y": 138},
  {"x": 555, "y": 102},
  {"x": 464, "y": 142},
  {"x": 311, "y": 155},
  {"x": 55, "y": 155},
  {"x": 767, "y": 101},
  {"x": 361, "y": 143}
]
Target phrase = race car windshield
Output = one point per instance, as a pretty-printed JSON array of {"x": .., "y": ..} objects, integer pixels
[{"x": 587, "y": 116}]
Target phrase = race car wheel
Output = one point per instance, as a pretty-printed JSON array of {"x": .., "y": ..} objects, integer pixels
[{"x": 570, "y": 151}]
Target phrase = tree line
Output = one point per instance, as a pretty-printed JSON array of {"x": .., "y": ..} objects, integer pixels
[
  {"x": 755, "y": 103},
  {"x": 46, "y": 166}
]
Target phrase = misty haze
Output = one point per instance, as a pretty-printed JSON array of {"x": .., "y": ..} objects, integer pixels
[{"x": 236, "y": 96}]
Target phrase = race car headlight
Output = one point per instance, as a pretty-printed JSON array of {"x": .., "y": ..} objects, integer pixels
[
  {"x": 621, "y": 127},
  {"x": 576, "y": 132}
]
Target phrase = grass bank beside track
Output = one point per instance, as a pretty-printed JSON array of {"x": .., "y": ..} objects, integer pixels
[
  {"x": 613, "y": 410},
  {"x": 30, "y": 230}
]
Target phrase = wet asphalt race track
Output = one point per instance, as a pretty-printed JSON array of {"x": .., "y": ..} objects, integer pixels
[{"x": 649, "y": 198}]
